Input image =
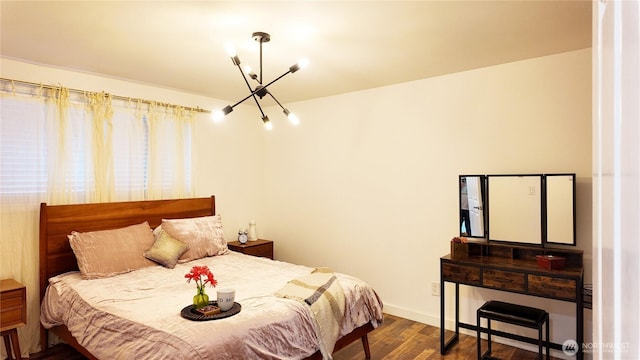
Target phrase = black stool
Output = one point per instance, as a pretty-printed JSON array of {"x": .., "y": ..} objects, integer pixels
[{"x": 516, "y": 315}]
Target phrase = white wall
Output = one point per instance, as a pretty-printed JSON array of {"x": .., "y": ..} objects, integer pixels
[{"x": 367, "y": 184}]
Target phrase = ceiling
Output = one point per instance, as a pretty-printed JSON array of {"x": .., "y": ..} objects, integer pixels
[{"x": 352, "y": 45}]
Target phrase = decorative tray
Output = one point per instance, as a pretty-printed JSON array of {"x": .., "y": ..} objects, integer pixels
[{"x": 189, "y": 312}]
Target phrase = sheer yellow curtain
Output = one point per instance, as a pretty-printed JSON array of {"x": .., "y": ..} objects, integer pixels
[
  {"x": 99, "y": 105},
  {"x": 65, "y": 147},
  {"x": 170, "y": 165},
  {"x": 129, "y": 151},
  {"x": 56, "y": 121}
]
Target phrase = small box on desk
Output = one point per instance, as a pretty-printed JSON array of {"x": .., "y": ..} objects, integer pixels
[
  {"x": 459, "y": 250},
  {"x": 550, "y": 262}
]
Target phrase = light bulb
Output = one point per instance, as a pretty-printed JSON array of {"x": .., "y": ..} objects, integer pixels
[
  {"x": 293, "y": 119},
  {"x": 267, "y": 122},
  {"x": 303, "y": 63},
  {"x": 231, "y": 50},
  {"x": 217, "y": 116},
  {"x": 249, "y": 71}
]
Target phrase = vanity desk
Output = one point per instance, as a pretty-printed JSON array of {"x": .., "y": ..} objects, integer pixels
[{"x": 511, "y": 268}]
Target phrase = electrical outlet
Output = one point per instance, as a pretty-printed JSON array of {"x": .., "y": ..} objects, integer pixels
[{"x": 435, "y": 288}]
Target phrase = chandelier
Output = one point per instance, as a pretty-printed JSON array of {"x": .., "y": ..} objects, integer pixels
[{"x": 260, "y": 90}]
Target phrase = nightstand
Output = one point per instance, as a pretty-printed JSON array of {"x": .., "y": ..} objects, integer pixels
[
  {"x": 260, "y": 247},
  {"x": 13, "y": 313}
]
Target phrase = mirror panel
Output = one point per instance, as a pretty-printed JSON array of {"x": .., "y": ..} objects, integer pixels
[
  {"x": 472, "y": 198},
  {"x": 560, "y": 208},
  {"x": 515, "y": 208}
]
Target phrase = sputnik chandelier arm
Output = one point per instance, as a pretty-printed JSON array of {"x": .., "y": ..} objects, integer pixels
[
  {"x": 236, "y": 62},
  {"x": 260, "y": 90}
]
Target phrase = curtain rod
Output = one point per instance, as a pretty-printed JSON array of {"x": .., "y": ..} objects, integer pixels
[{"x": 117, "y": 97}]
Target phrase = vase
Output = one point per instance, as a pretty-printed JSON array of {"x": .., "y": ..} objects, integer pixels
[
  {"x": 252, "y": 231},
  {"x": 200, "y": 299}
]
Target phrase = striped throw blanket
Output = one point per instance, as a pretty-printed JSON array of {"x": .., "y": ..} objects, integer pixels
[{"x": 322, "y": 292}]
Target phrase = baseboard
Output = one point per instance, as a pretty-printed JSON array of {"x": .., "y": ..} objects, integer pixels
[{"x": 412, "y": 315}]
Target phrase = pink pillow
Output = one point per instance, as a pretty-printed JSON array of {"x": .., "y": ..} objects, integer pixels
[
  {"x": 204, "y": 236},
  {"x": 110, "y": 252}
]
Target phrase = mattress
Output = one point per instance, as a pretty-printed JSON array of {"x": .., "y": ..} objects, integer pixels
[{"x": 137, "y": 315}]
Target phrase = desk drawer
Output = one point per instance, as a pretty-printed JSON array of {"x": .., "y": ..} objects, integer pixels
[
  {"x": 462, "y": 274},
  {"x": 564, "y": 289},
  {"x": 503, "y": 280}
]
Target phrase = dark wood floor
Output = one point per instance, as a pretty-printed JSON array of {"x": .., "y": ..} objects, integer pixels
[
  {"x": 396, "y": 338},
  {"x": 399, "y": 338}
]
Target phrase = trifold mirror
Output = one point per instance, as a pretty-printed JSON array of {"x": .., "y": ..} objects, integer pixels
[
  {"x": 560, "y": 208},
  {"x": 515, "y": 208},
  {"x": 532, "y": 209},
  {"x": 472, "y": 200}
]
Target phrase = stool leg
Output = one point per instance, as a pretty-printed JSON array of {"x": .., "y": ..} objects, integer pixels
[
  {"x": 547, "y": 328},
  {"x": 488, "y": 336},
  {"x": 479, "y": 335},
  {"x": 540, "y": 342}
]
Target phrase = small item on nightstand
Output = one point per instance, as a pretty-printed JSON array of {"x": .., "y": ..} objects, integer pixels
[
  {"x": 550, "y": 262},
  {"x": 242, "y": 236},
  {"x": 252, "y": 231}
]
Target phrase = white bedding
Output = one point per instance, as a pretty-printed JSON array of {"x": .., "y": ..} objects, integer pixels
[{"x": 137, "y": 315}]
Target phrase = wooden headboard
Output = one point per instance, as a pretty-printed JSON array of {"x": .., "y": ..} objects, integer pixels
[{"x": 58, "y": 221}]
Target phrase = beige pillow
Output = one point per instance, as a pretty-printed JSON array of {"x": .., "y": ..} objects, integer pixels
[
  {"x": 204, "y": 236},
  {"x": 110, "y": 252},
  {"x": 166, "y": 250}
]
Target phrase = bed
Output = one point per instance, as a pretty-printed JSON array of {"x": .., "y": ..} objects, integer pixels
[{"x": 136, "y": 314}]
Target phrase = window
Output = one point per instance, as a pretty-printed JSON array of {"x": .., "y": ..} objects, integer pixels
[
  {"x": 23, "y": 163},
  {"x": 45, "y": 146}
]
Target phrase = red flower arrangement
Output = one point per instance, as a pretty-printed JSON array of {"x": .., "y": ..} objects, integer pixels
[{"x": 197, "y": 273}]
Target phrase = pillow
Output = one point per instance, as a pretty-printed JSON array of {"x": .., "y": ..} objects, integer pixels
[
  {"x": 204, "y": 236},
  {"x": 106, "y": 253},
  {"x": 166, "y": 250}
]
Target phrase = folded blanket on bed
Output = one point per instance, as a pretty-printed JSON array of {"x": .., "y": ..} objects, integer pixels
[{"x": 322, "y": 292}]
